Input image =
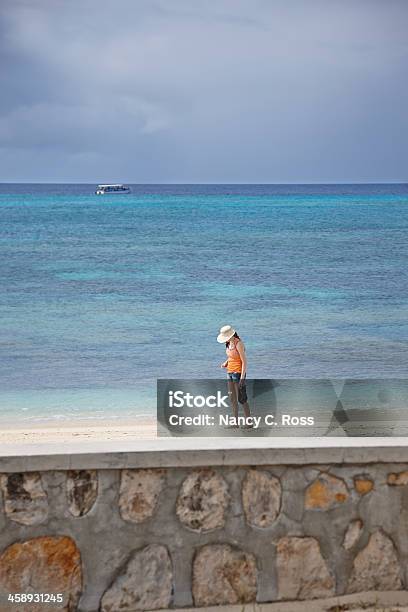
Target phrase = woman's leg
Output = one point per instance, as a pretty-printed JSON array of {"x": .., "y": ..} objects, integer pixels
[
  {"x": 245, "y": 406},
  {"x": 232, "y": 392},
  {"x": 247, "y": 411}
]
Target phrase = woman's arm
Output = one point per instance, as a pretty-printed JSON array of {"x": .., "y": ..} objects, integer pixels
[{"x": 241, "y": 351}]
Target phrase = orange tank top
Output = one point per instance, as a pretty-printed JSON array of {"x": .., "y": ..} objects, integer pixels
[{"x": 234, "y": 358}]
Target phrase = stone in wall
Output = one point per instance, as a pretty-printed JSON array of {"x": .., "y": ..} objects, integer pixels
[
  {"x": 261, "y": 498},
  {"x": 326, "y": 492},
  {"x": 82, "y": 491},
  {"x": 353, "y": 533},
  {"x": 376, "y": 567},
  {"x": 398, "y": 480},
  {"x": 223, "y": 575},
  {"x": 25, "y": 500},
  {"x": 203, "y": 500},
  {"x": 146, "y": 582},
  {"x": 363, "y": 485},
  {"x": 139, "y": 493},
  {"x": 43, "y": 565},
  {"x": 302, "y": 571}
]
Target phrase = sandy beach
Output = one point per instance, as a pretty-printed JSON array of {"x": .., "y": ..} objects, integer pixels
[
  {"x": 91, "y": 433},
  {"x": 80, "y": 431}
]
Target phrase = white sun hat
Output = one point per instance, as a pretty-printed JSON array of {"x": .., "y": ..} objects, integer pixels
[{"x": 225, "y": 334}]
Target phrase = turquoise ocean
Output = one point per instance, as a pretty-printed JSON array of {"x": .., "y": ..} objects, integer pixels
[{"x": 102, "y": 295}]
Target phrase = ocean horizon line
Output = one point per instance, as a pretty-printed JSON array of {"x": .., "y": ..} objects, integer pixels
[{"x": 178, "y": 183}]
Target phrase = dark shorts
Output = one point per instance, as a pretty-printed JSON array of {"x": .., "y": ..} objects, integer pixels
[{"x": 235, "y": 376}]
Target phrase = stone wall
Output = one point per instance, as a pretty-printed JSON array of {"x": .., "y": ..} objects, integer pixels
[{"x": 148, "y": 538}]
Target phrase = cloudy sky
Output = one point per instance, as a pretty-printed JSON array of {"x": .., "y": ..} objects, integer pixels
[{"x": 204, "y": 90}]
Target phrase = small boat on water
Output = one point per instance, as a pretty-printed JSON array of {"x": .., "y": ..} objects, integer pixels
[{"x": 103, "y": 189}]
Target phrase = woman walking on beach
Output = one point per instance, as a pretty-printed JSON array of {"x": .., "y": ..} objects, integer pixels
[{"x": 236, "y": 365}]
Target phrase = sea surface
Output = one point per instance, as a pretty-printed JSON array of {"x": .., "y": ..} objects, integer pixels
[{"x": 102, "y": 295}]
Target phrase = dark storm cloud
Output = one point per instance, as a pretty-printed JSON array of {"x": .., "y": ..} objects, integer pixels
[{"x": 226, "y": 90}]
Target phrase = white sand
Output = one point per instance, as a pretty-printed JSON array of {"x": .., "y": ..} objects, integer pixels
[
  {"x": 142, "y": 428},
  {"x": 138, "y": 434}
]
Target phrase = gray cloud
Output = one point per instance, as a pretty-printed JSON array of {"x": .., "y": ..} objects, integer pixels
[{"x": 223, "y": 91}]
